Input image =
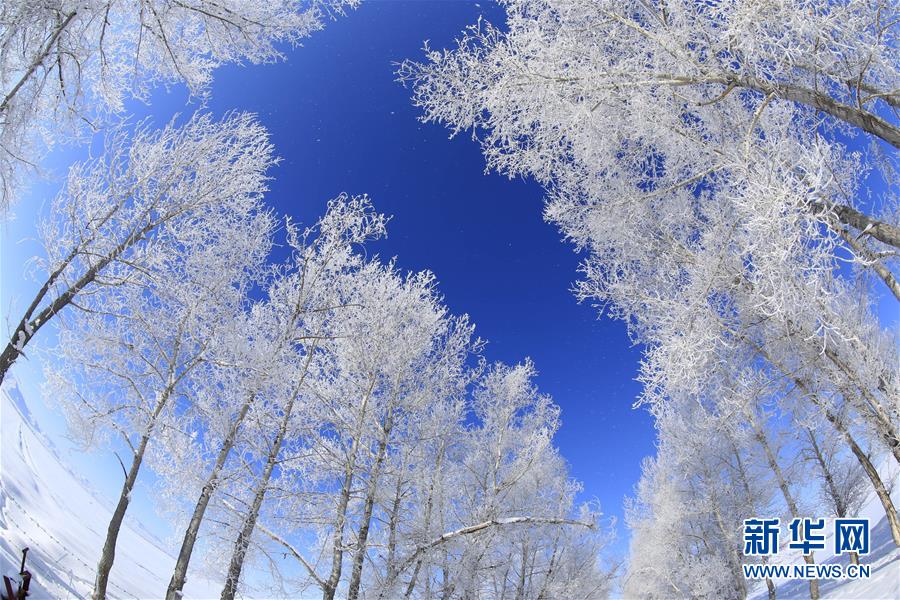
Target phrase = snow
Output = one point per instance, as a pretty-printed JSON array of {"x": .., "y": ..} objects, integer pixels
[
  {"x": 20, "y": 341},
  {"x": 46, "y": 507},
  {"x": 884, "y": 557}
]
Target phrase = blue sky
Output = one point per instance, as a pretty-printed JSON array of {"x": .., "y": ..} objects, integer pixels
[{"x": 341, "y": 123}]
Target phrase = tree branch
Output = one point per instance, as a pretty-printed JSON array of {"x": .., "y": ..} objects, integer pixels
[
  {"x": 45, "y": 51},
  {"x": 485, "y": 525}
]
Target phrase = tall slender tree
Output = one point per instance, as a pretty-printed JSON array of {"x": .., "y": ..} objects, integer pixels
[{"x": 131, "y": 351}]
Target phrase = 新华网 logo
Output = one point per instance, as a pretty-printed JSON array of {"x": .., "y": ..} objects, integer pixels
[{"x": 850, "y": 536}]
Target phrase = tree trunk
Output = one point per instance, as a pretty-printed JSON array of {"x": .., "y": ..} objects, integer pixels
[
  {"x": 771, "y": 588},
  {"x": 448, "y": 586},
  {"x": 12, "y": 351},
  {"x": 880, "y": 489},
  {"x": 870, "y": 260},
  {"x": 108, "y": 554},
  {"x": 337, "y": 544},
  {"x": 393, "y": 525},
  {"x": 733, "y": 553},
  {"x": 863, "y": 119},
  {"x": 839, "y": 509},
  {"x": 243, "y": 540},
  {"x": 745, "y": 483},
  {"x": 190, "y": 536},
  {"x": 548, "y": 577},
  {"x": 889, "y": 510},
  {"x": 876, "y": 415},
  {"x": 883, "y": 421},
  {"x": 520, "y": 584},
  {"x": 362, "y": 538},
  {"x": 786, "y": 492},
  {"x": 880, "y": 230},
  {"x": 733, "y": 558},
  {"x": 857, "y": 117},
  {"x": 337, "y": 540},
  {"x": 429, "y": 505}
]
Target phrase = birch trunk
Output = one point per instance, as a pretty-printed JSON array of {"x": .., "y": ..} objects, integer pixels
[
  {"x": 887, "y": 503},
  {"x": 429, "y": 506},
  {"x": 29, "y": 325},
  {"x": 734, "y": 562},
  {"x": 243, "y": 540},
  {"x": 745, "y": 483},
  {"x": 363, "y": 536},
  {"x": 880, "y": 489},
  {"x": 108, "y": 554},
  {"x": 890, "y": 510},
  {"x": 882, "y": 419},
  {"x": 337, "y": 541},
  {"x": 337, "y": 545},
  {"x": 520, "y": 584},
  {"x": 839, "y": 509},
  {"x": 550, "y": 568},
  {"x": 393, "y": 526},
  {"x": 786, "y": 492},
  {"x": 190, "y": 536}
]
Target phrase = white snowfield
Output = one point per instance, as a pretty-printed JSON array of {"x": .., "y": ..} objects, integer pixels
[{"x": 46, "y": 507}]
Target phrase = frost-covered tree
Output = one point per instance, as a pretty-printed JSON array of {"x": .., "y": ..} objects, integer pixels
[
  {"x": 323, "y": 295},
  {"x": 711, "y": 472},
  {"x": 690, "y": 129},
  {"x": 131, "y": 351},
  {"x": 506, "y": 507},
  {"x": 403, "y": 353},
  {"x": 689, "y": 503},
  {"x": 787, "y": 372},
  {"x": 147, "y": 197},
  {"x": 842, "y": 482},
  {"x": 67, "y": 65},
  {"x": 482, "y": 504},
  {"x": 704, "y": 158},
  {"x": 391, "y": 350},
  {"x": 669, "y": 551},
  {"x": 638, "y": 101},
  {"x": 258, "y": 388},
  {"x": 371, "y": 484}
]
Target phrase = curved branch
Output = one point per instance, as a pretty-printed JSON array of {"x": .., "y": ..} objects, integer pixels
[
  {"x": 482, "y": 526},
  {"x": 294, "y": 552}
]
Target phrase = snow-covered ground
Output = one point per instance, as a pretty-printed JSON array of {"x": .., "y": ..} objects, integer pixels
[{"x": 46, "y": 507}]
